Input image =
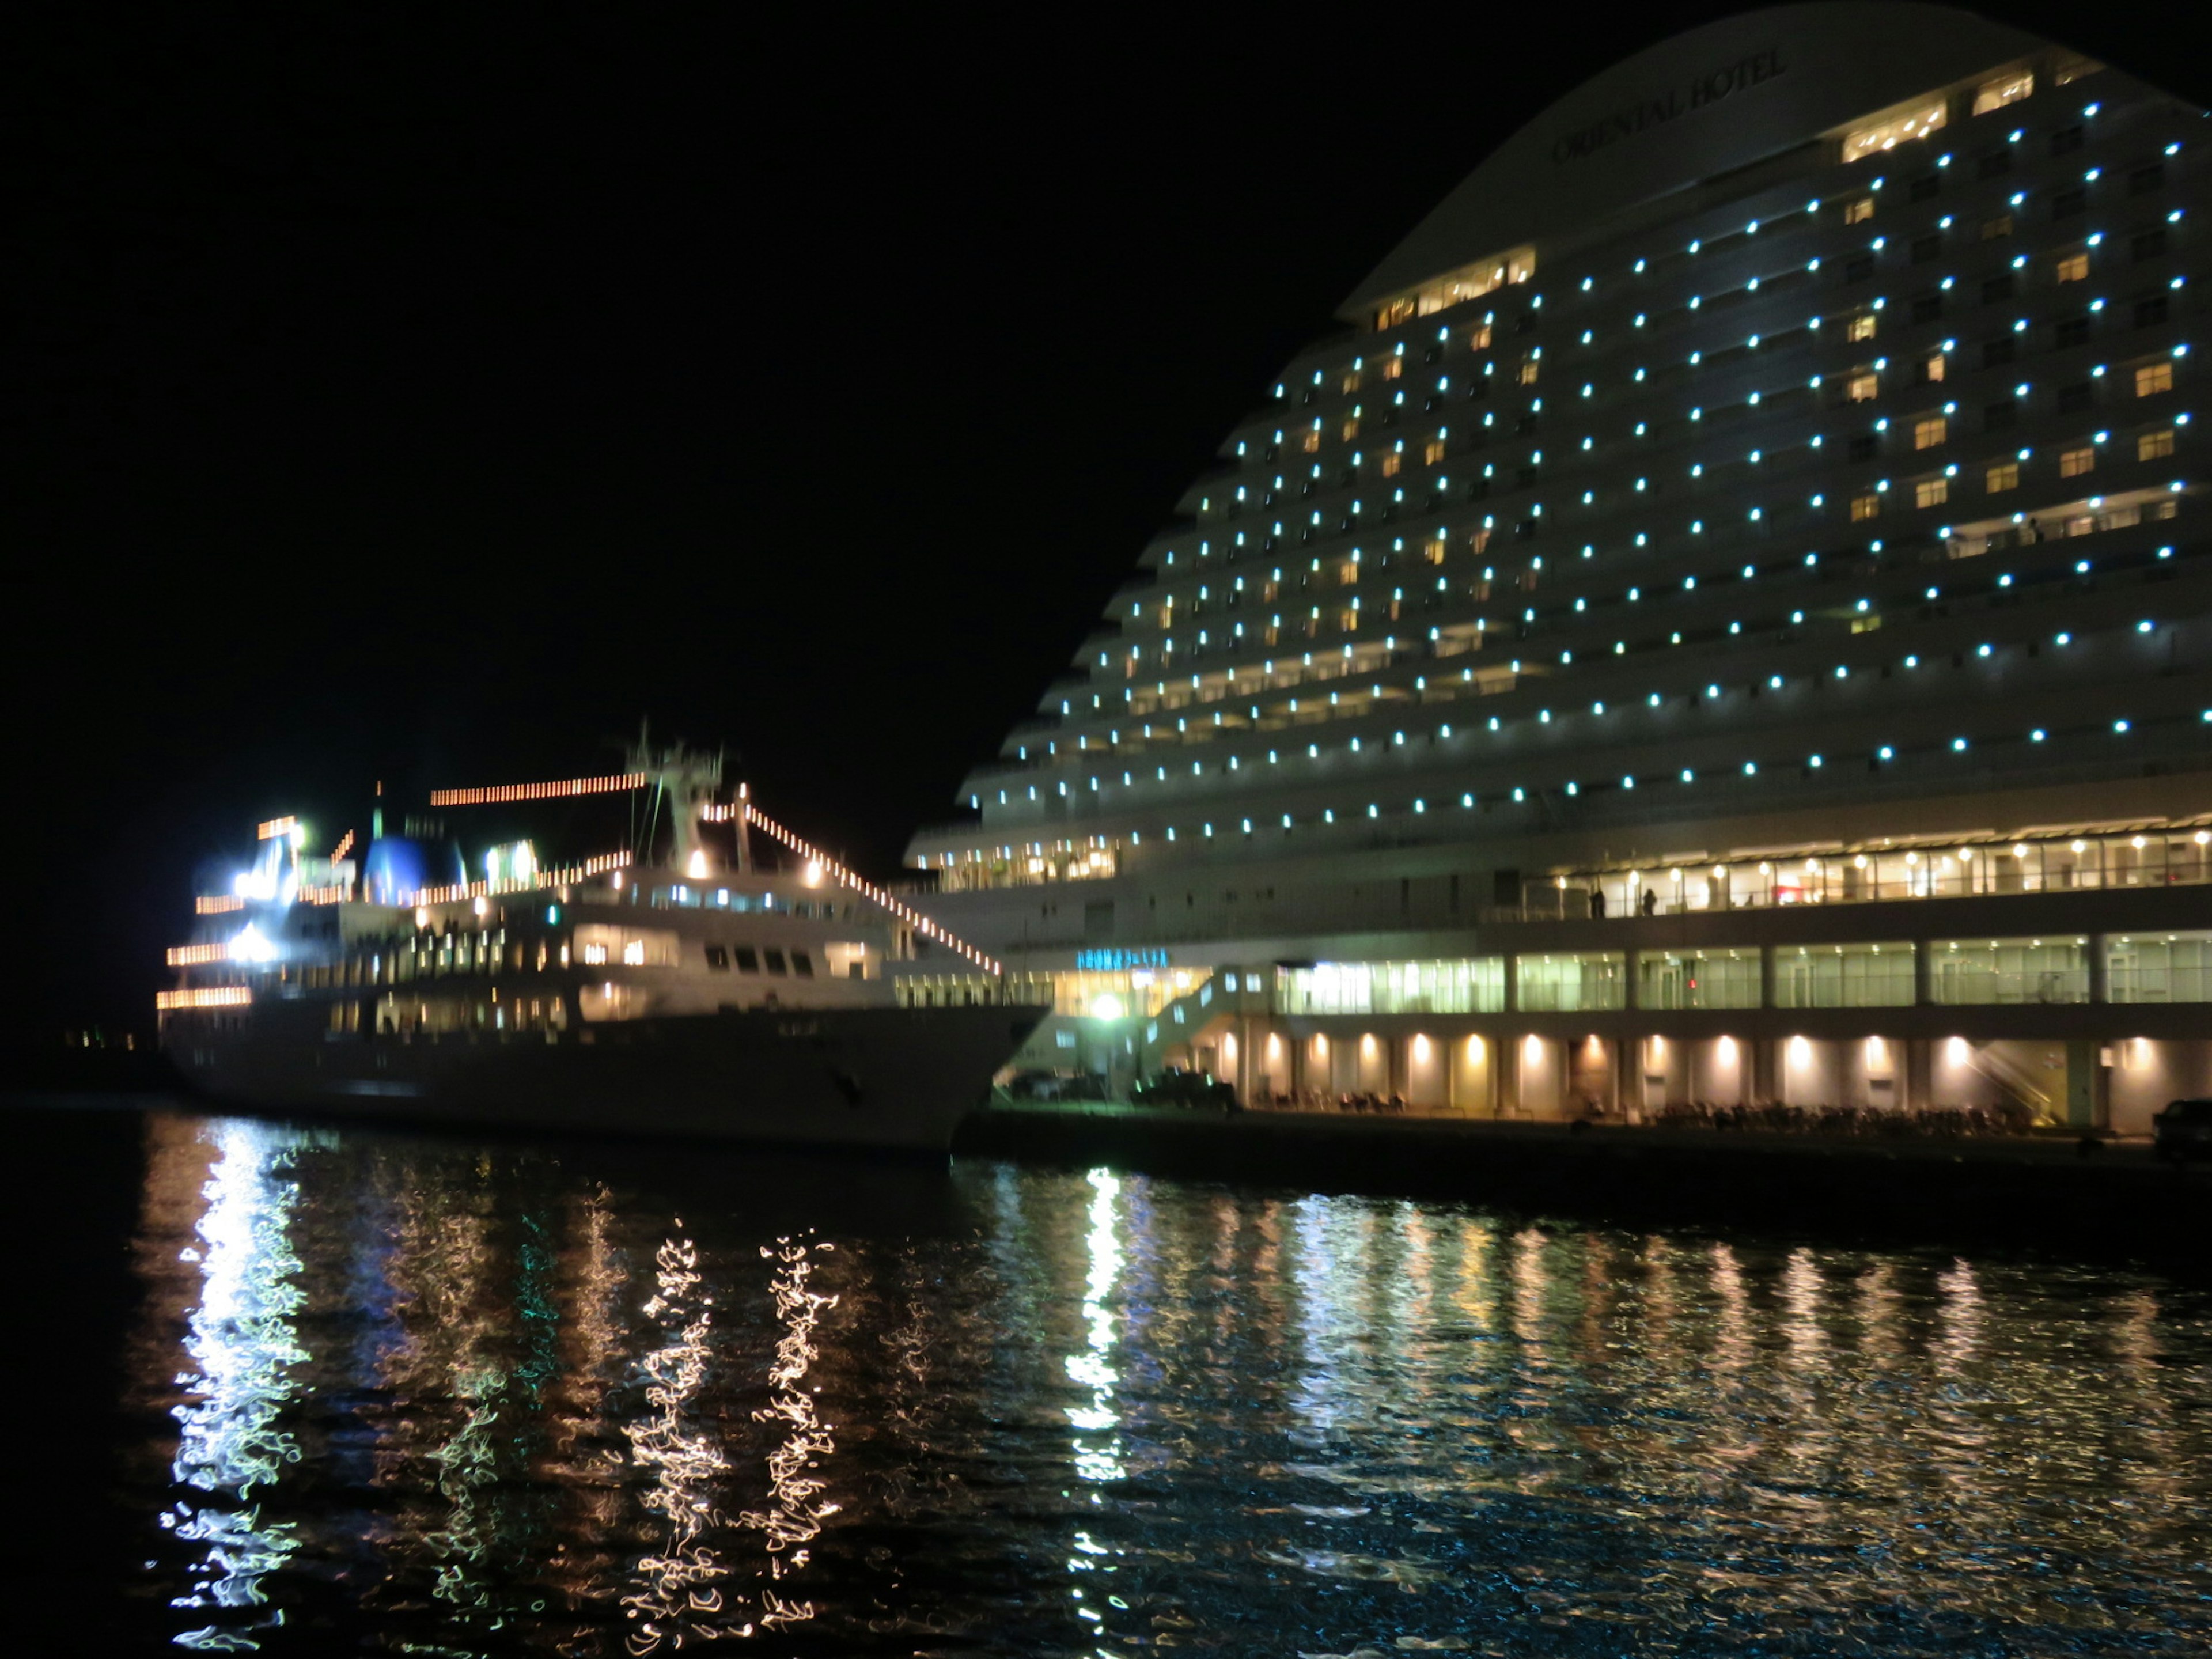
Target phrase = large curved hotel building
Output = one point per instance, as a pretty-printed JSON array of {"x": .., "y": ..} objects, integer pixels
[{"x": 1724, "y": 618}]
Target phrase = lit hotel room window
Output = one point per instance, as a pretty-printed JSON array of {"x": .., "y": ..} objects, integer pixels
[{"x": 1889, "y": 135}]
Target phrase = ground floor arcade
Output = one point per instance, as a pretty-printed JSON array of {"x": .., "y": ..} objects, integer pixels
[{"x": 1492, "y": 1070}]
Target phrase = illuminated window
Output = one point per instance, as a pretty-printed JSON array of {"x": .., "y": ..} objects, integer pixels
[
  {"x": 2169, "y": 968},
  {"x": 1347, "y": 573},
  {"x": 2004, "y": 476},
  {"x": 1931, "y": 492},
  {"x": 1983, "y": 971},
  {"x": 1433, "y": 548},
  {"x": 1997, "y": 229},
  {"x": 1350, "y": 429},
  {"x": 2005, "y": 89},
  {"x": 1865, "y": 506},
  {"x": 2152, "y": 444},
  {"x": 1862, "y": 388},
  {"x": 1433, "y": 451},
  {"x": 2073, "y": 268},
  {"x": 638, "y": 948},
  {"x": 1392, "y": 368},
  {"x": 1351, "y": 381},
  {"x": 1468, "y": 282},
  {"x": 1563, "y": 981},
  {"x": 1928, "y": 433},
  {"x": 1697, "y": 979},
  {"x": 1931, "y": 368},
  {"x": 1844, "y": 975},
  {"x": 1900, "y": 130},
  {"x": 2073, "y": 463},
  {"x": 1475, "y": 985},
  {"x": 1391, "y": 463},
  {"x": 1529, "y": 366},
  {"x": 1860, "y": 211},
  {"x": 2154, "y": 378},
  {"x": 1860, "y": 327},
  {"x": 1478, "y": 339},
  {"x": 1311, "y": 442},
  {"x": 1348, "y": 619}
]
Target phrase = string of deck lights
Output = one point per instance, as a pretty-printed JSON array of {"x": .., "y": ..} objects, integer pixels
[
  {"x": 562, "y": 790},
  {"x": 207, "y": 996},
  {"x": 598, "y": 865},
  {"x": 868, "y": 890}
]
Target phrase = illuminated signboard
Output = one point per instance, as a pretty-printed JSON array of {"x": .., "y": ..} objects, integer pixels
[{"x": 1113, "y": 962}]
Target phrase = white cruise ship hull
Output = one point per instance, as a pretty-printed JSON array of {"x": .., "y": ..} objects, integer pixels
[{"x": 893, "y": 1080}]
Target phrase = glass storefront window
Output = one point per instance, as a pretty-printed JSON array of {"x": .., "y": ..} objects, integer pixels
[
  {"x": 2168, "y": 857},
  {"x": 1696, "y": 979},
  {"x": 1843, "y": 975},
  {"x": 1564, "y": 982},
  {"x": 1466, "y": 986},
  {"x": 1966, "y": 972},
  {"x": 2159, "y": 968}
]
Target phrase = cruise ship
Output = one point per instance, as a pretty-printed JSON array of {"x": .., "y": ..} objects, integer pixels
[{"x": 717, "y": 993}]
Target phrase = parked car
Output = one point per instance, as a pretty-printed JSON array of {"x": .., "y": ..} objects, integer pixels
[
  {"x": 2185, "y": 1131},
  {"x": 1040, "y": 1084},
  {"x": 1177, "y": 1087}
]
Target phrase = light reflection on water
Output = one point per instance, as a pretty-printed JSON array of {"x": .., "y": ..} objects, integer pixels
[{"x": 424, "y": 1396}]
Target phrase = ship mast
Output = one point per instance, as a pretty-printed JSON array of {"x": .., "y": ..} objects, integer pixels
[{"x": 688, "y": 782}]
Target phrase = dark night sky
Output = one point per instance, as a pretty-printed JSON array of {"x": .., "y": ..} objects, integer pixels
[{"x": 390, "y": 394}]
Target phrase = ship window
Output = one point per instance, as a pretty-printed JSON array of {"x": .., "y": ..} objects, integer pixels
[
  {"x": 802, "y": 964},
  {"x": 748, "y": 959},
  {"x": 599, "y": 943},
  {"x": 775, "y": 960},
  {"x": 718, "y": 956}
]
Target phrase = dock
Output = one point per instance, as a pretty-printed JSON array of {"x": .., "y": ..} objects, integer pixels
[{"x": 2106, "y": 1200}]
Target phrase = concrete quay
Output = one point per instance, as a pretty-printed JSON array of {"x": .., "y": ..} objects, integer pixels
[{"x": 2043, "y": 1194}]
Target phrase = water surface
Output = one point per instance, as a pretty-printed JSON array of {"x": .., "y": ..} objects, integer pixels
[{"x": 388, "y": 1395}]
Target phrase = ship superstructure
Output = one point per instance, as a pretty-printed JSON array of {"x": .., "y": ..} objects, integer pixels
[{"x": 705, "y": 991}]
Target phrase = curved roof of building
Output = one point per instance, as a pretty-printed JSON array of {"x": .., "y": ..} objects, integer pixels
[{"x": 1698, "y": 105}]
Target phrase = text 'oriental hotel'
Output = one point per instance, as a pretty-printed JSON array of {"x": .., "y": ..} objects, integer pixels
[{"x": 1728, "y": 618}]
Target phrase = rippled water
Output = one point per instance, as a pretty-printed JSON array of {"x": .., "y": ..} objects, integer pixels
[{"x": 419, "y": 1395}]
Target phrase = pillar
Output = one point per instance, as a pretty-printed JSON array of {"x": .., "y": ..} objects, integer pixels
[
  {"x": 1916, "y": 1087},
  {"x": 2082, "y": 1071}
]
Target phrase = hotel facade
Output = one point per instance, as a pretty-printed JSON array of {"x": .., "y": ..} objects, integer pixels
[{"x": 1725, "y": 618}]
